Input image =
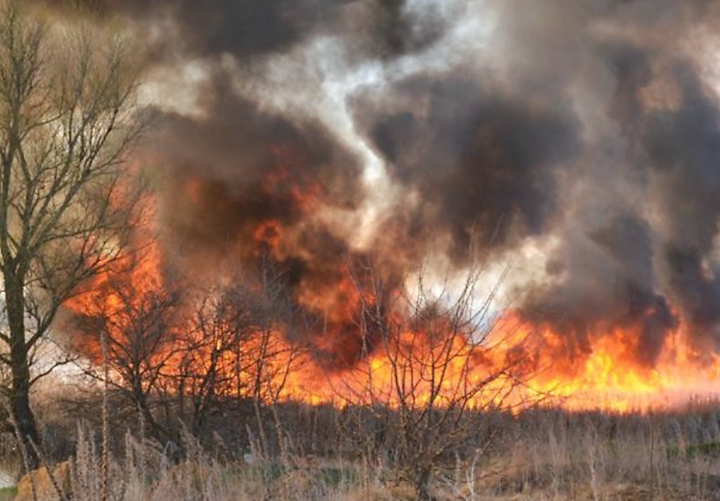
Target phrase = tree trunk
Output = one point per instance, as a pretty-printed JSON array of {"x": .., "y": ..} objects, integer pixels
[
  {"x": 423, "y": 476},
  {"x": 23, "y": 417},
  {"x": 140, "y": 398}
]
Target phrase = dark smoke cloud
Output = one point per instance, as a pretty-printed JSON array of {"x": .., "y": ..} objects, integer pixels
[
  {"x": 697, "y": 289},
  {"x": 606, "y": 281},
  {"x": 384, "y": 28},
  {"x": 216, "y": 26},
  {"x": 394, "y": 31},
  {"x": 677, "y": 149},
  {"x": 483, "y": 165},
  {"x": 239, "y": 167},
  {"x": 622, "y": 261},
  {"x": 684, "y": 145},
  {"x": 586, "y": 128}
]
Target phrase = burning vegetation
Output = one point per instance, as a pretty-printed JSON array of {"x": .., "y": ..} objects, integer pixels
[
  {"x": 347, "y": 204},
  {"x": 342, "y": 335},
  {"x": 413, "y": 212}
]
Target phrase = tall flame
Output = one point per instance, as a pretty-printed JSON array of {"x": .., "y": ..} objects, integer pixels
[{"x": 515, "y": 362}]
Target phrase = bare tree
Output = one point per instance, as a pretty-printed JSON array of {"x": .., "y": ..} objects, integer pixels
[
  {"x": 212, "y": 361},
  {"x": 184, "y": 350},
  {"x": 136, "y": 318},
  {"x": 233, "y": 347},
  {"x": 66, "y": 123},
  {"x": 431, "y": 373}
]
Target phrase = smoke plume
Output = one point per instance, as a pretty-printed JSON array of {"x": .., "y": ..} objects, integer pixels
[{"x": 320, "y": 132}]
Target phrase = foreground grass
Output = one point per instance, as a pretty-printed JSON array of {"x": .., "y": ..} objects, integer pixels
[
  {"x": 533, "y": 476},
  {"x": 548, "y": 456}
]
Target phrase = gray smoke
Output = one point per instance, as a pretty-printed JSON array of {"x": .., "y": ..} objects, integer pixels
[{"x": 587, "y": 129}]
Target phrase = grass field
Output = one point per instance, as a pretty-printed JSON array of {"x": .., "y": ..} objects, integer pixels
[{"x": 544, "y": 455}]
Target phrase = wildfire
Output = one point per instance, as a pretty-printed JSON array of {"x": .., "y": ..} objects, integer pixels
[
  {"x": 607, "y": 377},
  {"x": 514, "y": 363},
  {"x": 610, "y": 375},
  {"x": 359, "y": 349}
]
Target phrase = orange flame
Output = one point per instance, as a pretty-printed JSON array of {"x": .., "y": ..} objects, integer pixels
[{"x": 515, "y": 362}]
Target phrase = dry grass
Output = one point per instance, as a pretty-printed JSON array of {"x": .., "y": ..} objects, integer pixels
[{"x": 548, "y": 456}]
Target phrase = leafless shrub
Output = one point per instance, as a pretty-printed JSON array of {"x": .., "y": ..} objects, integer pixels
[{"x": 435, "y": 376}]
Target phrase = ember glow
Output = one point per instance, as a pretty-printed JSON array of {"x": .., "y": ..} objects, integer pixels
[{"x": 324, "y": 156}]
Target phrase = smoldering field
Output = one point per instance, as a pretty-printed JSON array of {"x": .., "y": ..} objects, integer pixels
[{"x": 383, "y": 239}]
